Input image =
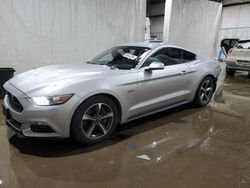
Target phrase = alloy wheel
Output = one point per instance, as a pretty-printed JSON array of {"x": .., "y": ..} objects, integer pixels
[
  {"x": 206, "y": 91},
  {"x": 97, "y": 120}
]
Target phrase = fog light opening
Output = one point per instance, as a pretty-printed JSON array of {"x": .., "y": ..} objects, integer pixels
[{"x": 41, "y": 127}]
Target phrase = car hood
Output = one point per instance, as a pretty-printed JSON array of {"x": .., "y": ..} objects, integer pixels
[
  {"x": 240, "y": 54},
  {"x": 48, "y": 80}
]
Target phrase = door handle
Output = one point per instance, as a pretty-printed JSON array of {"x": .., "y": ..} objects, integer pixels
[{"x": 183, "y": 72}]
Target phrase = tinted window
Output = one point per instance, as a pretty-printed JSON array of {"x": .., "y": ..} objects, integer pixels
[
  {"x": 234, "y": 42},
  {"x": 168, "y": 56},
  {"x": 227, "y": 44},
  {"x": 188, "y": 56},
  {"x": 175, "y": 54}
]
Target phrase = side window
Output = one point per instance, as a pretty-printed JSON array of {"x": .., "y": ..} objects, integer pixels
[
  {"x": 188, "y": 56},
  {"x": 168, "y": 56},
  {"x": 175, "y": 56}
]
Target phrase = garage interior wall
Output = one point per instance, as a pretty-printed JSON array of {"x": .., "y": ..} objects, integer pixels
[
  {"x": 193, "y": 24},
  {"x": 235, "y": 22},
  {"x": 36, "y": 33}
]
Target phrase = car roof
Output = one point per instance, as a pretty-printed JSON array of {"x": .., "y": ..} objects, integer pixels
[
  {"x": 151, "y": 45},
  {"x": 154, "y": 45}
]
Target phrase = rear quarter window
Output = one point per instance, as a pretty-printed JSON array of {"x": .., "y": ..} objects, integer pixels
[{"x": 189, "y": 56}]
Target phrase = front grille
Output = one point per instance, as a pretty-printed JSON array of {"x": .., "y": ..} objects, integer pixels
[
  {"x": 242, "y": 61},
  {"x": 14, "y": 102}
]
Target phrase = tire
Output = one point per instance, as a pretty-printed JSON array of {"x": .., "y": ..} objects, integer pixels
[
  {"x": 94, "y": 120},
  {"x": 205, "y": 92},
  {"x": 230, "y": 72}
]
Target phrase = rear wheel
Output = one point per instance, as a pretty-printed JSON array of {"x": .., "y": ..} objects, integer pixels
[
  {"x": 94, "y": 120},
  {"x": 204, "y": 92},
  {"x": 230, "y": 72}
]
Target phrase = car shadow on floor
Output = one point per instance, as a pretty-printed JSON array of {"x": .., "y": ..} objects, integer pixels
[{"x": 66, "y": 147}]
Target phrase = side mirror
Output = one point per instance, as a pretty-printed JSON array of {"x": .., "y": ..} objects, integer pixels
[{"x": 155, "y": 66}]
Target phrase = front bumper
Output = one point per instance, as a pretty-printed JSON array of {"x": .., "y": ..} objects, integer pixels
[
  {"x": 57, "y": 118},
  {"x": 232, "y": 64}
]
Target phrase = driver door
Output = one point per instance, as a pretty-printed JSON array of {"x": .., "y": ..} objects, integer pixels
[{"x": 161, "y": 88}]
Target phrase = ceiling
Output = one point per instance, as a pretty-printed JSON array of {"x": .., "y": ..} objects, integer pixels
[{"x": 225, "y": 2}]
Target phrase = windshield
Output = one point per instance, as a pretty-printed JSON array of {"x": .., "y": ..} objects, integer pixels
[
  {"x": 121, "y": 57},
  {"x": 243, "y": 44}
]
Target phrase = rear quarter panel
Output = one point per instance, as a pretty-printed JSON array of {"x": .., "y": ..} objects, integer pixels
[{"x": 200, "y": 69}]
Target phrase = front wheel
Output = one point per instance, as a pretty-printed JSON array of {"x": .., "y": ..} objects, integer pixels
[
  {"x": 230, "y": 72},
  {"x": 94, "y": 120},
  {"x": 204, "y": 92}
]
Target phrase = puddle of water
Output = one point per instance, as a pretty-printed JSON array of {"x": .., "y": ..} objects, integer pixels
[{"x": 195, "y": 147}]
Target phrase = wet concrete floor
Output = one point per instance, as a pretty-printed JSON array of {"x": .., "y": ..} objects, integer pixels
[{"x": 186, "y": 147}]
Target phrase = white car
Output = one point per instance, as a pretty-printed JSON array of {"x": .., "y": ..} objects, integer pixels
[{"x": 238, "y": 57}]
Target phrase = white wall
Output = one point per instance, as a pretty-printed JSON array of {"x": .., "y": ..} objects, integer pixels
[
  {"x": 193, "y": 24},
  {"x": 235, "y": 22},
  {"x": 36, "y": 33},
  {"x": 147, "y": 29},
  {"x": 236, "y": 16}
]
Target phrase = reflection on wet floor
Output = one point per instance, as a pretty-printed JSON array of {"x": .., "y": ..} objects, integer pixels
[{"x": 185, "y": 146}]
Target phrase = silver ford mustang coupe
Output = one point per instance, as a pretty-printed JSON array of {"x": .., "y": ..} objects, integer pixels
[{"x": 88, "y": 100}]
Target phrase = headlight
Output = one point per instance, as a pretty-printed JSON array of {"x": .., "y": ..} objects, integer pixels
[{"x": 53, "y": 100}]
